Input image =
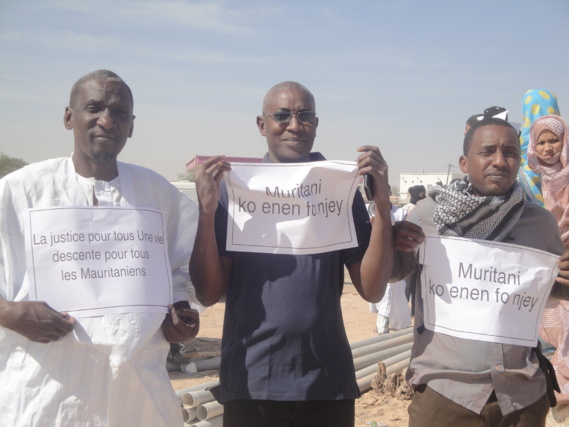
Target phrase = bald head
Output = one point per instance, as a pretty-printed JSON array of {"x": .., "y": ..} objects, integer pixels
[
  {"x": 289, "y": 140},
  {"x": 103, "y": 75},
  {"x": 288, "y": 85}
]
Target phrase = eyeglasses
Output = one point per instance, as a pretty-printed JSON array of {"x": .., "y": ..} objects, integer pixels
[{"x": 284, "y": 117}]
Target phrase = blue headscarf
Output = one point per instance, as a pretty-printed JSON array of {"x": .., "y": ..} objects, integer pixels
[{"x": 536, "y": 103}]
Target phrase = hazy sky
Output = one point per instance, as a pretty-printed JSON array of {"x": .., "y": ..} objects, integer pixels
[{"x": 404, "y": 75}]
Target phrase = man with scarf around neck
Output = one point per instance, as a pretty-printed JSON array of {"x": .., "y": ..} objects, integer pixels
[{"x": 467, "y": 382}]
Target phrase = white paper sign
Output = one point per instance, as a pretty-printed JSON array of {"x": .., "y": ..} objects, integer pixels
[
  {"x": 484, "y": 290},
  {"x": 88, "y": 261},
  {"x": 291, "y": 208}
]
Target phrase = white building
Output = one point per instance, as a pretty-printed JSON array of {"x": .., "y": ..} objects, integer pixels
[
  {"x": 407, "y": 180},
  {"x": 188, "y": 188}
]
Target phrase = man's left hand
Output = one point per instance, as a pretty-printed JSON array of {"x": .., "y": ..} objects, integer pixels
[
  {"x": 407, "y": 236},
  {"x": 181, "y": 323}
]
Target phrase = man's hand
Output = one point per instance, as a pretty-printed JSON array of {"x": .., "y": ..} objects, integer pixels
[
  {"x": 407, "y": 236},
  {"x": 208, "y": 176},
  {"x": 563, "y": 264},
  {"x": 181, "y": 323},
  {"x": 371, "y": 162},
  {"x": 35, "y": 320}
]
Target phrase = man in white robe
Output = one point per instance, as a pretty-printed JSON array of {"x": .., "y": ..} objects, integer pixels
[
  {"x": 393, "y": 309},
  {"x": 103, "y": 370}
]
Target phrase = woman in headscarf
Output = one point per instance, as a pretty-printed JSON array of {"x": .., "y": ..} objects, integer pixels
[
  {"x": 548, "y": 156},
  {"x": 536, "y": 103}
]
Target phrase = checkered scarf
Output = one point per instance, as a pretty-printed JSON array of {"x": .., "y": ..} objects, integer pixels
[{"x": 460, "y": 213}]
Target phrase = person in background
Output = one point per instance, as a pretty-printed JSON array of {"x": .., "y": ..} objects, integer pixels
[
  {"x": 471, "y": 121},
  {"x": 535, "y": 104},
  {"x": 416, "y": 193},
  {"x": 285, "y": 357},
  {"x": 109, "y": 369},
  {"x": 393, "y": 309},
  {"x": 548, "y": 156}
]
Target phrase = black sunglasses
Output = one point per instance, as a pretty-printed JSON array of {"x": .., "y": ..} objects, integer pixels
[{"x": 284, "y": 117}]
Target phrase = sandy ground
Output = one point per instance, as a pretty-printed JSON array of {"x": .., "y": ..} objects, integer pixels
[{"x": 386, "y": 411}]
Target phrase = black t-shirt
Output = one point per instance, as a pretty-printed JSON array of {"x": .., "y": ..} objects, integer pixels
[{"x": 283, "y": 333}]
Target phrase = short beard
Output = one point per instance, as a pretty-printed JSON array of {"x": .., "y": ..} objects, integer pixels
[{"x": 104, "y": 158}]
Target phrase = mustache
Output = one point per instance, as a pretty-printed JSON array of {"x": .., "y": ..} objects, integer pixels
[{"x": 112, "y": 135}]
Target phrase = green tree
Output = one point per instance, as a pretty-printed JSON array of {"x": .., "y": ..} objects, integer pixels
[
  {"x": 188, "y": 176},
  {"x": 9, "y": 164}
]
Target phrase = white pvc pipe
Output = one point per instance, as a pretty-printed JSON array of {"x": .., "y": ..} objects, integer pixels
[
  {"x": 201, "y": 365},
  {"x": 364, "y": 384},
  {"x": 201, "y": 386},
  {"x": 397, "y": 358},
  {"x": 364, "y": 372},
  {"x": 384, "y": 345},
  {"x": 209, "y": 410},
  {"x": 213, "y": 422},
  {"x": 380, "y": 356},
  {"x": 189, "y": 414},
  {"x": 381, "y": 338},
  {"x": 195, "y": 398},
  {"x": 397, "y": 368}
]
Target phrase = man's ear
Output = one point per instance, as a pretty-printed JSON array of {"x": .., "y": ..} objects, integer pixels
[
  {"x": 261, "y": 125},
  {"x": 67, "y": 116},
  {"x": 131, "y": 127},
  {"x": 463, "y": 163}
]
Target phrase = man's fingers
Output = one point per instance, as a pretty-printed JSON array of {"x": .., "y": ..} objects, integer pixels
[
  {"x": 563, "y": 264},
  {"x": 188, "y": 316},
  {"x": 47, "y": 336},
  {"x": 217, "y": 165},
  {"x": 404, "y": 246},
  {"x": 173, "y": 314},
  {"x": 407, "y": 236},
  {"x": 371, "y": 162},
  {"x": 64, "y": 323},
  {"x": 180, "y": 324},
  {"x": 36, "y": 321}
]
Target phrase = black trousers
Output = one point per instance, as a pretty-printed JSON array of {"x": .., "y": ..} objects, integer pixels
[{"x": 311, "y": 413}]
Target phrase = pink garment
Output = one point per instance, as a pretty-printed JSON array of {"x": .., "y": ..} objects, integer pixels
[
  {"x": 554, "y": 172},
  {"x": 554, "y": 180},
  {"x": 555, "y": 330}
]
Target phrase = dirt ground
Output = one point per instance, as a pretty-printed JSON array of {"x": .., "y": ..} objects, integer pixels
[{"x": 386, "y": 411}]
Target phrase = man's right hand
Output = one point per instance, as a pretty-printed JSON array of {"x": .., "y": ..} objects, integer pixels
[
  {"x": 35, "y": 320},
  {"x": 208, "y": 176}
]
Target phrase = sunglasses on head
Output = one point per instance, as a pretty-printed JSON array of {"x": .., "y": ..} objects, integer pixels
[{"x": 283, "y": 117}]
